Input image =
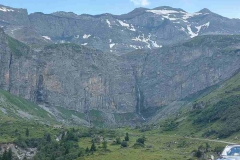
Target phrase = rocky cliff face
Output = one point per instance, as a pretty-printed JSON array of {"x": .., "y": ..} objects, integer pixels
[
  {"x": 82, "y": 79},
  {"x": 140, "y": 29},
  {"x": 114, "y": 82},
  {"x": 67, "y": 75},
  {"x": 173, "y": 73}
]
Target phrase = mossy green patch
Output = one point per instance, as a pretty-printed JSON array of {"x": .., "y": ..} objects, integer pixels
[{"x": 17, "y": 47}]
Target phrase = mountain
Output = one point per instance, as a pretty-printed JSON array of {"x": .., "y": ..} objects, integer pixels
[
  {"x": 140, "y": 29},
  {"x": 115, "y": 90}
]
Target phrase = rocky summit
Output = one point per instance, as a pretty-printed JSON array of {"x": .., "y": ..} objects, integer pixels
[
  {"x": 140, "y": 29},
  {"x": 126, "y": 67}
]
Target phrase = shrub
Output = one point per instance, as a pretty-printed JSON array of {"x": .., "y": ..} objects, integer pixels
[
  {"x": 138, "y": 145},
  {"x": 218, "y": 149},
  {"x": 141, "y": 140},
  {"x": 124, "y": 144},
  {"x": 118, "y": 140},
  {"x": 182, "y": 144},
  {"x": 104, "y": 145},
  {"x": 198, "y": 154},
  {"x": 169, "y": 125}
]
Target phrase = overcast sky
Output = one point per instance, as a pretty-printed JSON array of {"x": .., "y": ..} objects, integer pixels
[{"x": 227, "y": 8}]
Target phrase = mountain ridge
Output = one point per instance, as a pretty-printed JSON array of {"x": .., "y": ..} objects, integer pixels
[
  {"x": 141, "y": 28},
  {"x": 84, "y": 64}
]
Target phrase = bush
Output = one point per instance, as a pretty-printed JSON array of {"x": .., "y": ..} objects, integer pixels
[
  {"x": 198, "y": 154},
  {"x": 118, "y": 140},
  {"x": 182, "y": 144},
  {"x": 141, "y": 140},
  {"x": 218, "y": 150},
  {"x": 169, "y": 125},
  {"x": 104, "y": 145},
  {"x": 124, "y": 144},
  {"x": 138, "y": 145}
]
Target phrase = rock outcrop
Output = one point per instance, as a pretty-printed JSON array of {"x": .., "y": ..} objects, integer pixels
[
  {"x": 140, "y": 29},
  {"x": 83, "y": 79}
]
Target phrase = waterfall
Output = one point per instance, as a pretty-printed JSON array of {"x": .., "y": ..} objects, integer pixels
[{"x": 139, "y": 100}]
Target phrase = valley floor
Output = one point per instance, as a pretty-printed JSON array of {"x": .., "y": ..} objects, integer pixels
[{"x": 157, "y": 146}]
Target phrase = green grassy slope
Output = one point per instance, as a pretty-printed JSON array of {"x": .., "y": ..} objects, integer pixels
[
  {"x": 157, "y": 146},
  {"x": 12, "y": 107},
  {"x": 214, "y": 115}
]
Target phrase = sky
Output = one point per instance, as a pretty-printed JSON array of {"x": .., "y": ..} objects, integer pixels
[{"x": 227, "y": 8}]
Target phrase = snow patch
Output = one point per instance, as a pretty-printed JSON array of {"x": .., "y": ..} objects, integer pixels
[
  {"x": 147, "y": 40},
  {"x": 123, "y": 24},
  {"x": 4, "y": 9},
  {"x": 154, "y": 43},
  {"x": 189, "y": 15},
  {"x": 110, "y": 40},
  {"x": 46, "y": 38},
  {"x": 84, "y": 44},
  {"x": 167, "y": 13},
  {"x": 128, "y": 26},
  {"x": 112, "y": 45},
  {"x": 192, "y": 34},
  {"x": 135, "y": 47},
  {"x": 86, "y": 36},
  {"x": 108, "y": 22},
  {"x": 164, "y": 12},
  {"x": 204, "y": 25},
  {"x": 182, "y": 29}
]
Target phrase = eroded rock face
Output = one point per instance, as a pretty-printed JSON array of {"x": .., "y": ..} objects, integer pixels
[
  {"x": 69, "y": 76},
  {"x": 18, "y": 153},
  {"x": 140, "y": 29},
  {"x": 83, "y": 79},
  {"x": 174, "y": 73}
]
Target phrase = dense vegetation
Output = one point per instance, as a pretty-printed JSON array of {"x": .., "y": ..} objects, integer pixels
[{"x": 226, "y": 111}]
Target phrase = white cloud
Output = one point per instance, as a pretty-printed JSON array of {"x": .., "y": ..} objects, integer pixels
[{"x": 141, "y": 2}]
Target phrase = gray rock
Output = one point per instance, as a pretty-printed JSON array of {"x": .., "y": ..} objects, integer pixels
[{"x": 140, "y": 29}]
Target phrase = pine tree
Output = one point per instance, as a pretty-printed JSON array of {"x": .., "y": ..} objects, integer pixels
[
  {"x": 87, "y": 150},
  {"x": 53, "y": 157},
  {"x": 104, "y": 145},
  {"x": 25, "y": 158},
  {"x": 49, "y": 139},
  {"x": 127, "y": 137},
  {"x": 93, "y": 147},
  {"x": 67, "y": 151},
  {"x": 4, "y": 157},
  {"x": 27, "y": 132},
  {"x": 9, "y": 155}
]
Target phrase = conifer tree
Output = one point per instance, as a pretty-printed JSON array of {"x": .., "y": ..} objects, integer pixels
[
  {"x": 127, "y": 137},
  {"x": 93, "y": 147}
]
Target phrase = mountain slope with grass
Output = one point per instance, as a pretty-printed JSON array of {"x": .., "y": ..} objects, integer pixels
[
  {"x": 17, "y": 108},
  {"x": 215, "y": 114}
]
